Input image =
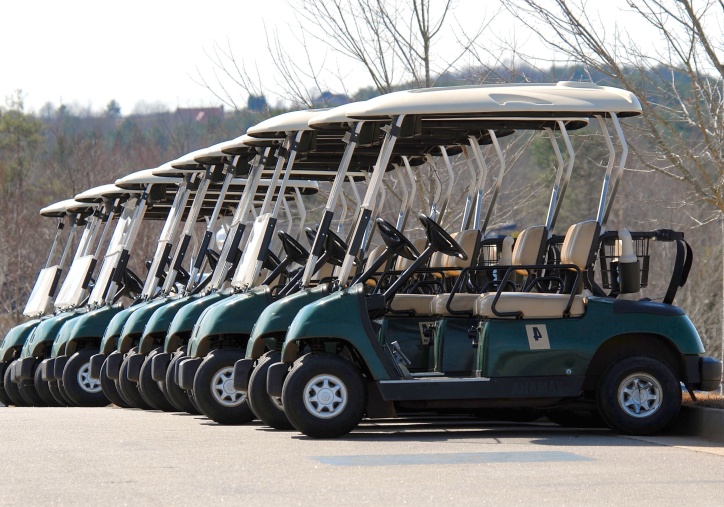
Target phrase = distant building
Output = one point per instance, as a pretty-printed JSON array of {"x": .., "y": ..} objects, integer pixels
[
  {"x": 200, "y": 114},
  {"x": 329, "y": 99}
]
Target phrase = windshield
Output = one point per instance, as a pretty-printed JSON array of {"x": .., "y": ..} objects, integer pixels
[
  {"x": 73, "y": 289},
  {"x": 247, "y": 271},
  {"x": 115, "y": 248},
  {"x": 40, "y": 297}
]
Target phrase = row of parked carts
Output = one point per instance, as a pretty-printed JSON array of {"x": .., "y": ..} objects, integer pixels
[{"x": 250, "y": 309}]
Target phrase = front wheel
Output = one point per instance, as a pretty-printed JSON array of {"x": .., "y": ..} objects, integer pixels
[
  {"x": 639, "y": 395},
  {"x": 178, "y": 397},
  {"x": 80, "y": 387},
  {"x": 324, "y": 395},
  {"x": 149, "y": 388},
  {"x": 43, "y": 389},
  {"x": 214, "y": 389},
  {"x": 110, "y": 389},
  {"x": 128, "y": 388},
  {"x": 267, "y": 408},
  {"x": 11, "y": 388}
]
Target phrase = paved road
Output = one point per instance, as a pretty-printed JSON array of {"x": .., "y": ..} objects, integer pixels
[{"x": 114, "y": 456}]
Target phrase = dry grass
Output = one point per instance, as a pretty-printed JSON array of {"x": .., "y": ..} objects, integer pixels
[{"x": 704, "y": 399}]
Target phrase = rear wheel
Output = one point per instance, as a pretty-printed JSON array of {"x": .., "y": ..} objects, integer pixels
[
  {"x": 110, "y": 390},
  {"x": 324, "y": 395},
  {"x": 267, "y": 408},
  {"x": 128, "y": 388},
  {"x": 11, "y": 389},
  {"x": 214, "y": 391},
  {"x": 43, "y": 389},
  {"x": 150, "y": 389},
  {"x": 81, "y": 388},
  {"x": 178, "y": 397},
  {"x": 639, "y": 395}
]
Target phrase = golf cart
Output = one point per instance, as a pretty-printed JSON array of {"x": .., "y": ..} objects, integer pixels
[{"x": 566, "y": 344}]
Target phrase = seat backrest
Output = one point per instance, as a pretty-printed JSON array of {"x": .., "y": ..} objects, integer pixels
[
  {"x": 402, "y": 263},
  {"x": 375, "y": 254},
  {"x": 529, "y": 246},
  {"x": 470, "y": 242},
  {"x": 580, "y": 244},
  {"x": 325, "y": 271}
]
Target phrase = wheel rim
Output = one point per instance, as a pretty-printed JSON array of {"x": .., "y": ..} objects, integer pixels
[
  {"x": 325, "y": 396},
  {"x": 222, "y": 388},
  {"x": 86, "y": 382},
  {"x": 640, "y": 395}
]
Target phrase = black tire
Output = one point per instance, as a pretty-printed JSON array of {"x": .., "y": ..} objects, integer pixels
[
  {"x": 80, "y": 387},
  {"x": 26, "y": 388},
  {"x": 64, "y": 394},
  {"x": 110, "y": 390},
  {"x": 266, "y": 408},
  {"x": 57, "y": 395},
  {"x": 624, "y": 410},
  {"x": 43, "y": 389},
  {"x": 212, "y": 392},
  {"x": 178, "y": 397},
  {"x": 4, "y": 399},
  {"x": 150, "y": 389},
  {"x": 128, "y": 388},
  {"x": 576, "y": 418},
  {"x": 11, "y": 389},
  {"x": 311, "y": 376}
]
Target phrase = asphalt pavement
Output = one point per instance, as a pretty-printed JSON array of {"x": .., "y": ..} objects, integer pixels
[{"x": 113, "y": 456}]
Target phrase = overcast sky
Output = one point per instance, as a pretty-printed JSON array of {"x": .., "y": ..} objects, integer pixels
[{"x": 85, "y": 53}]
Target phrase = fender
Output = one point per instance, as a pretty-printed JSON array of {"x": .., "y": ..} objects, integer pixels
[
  {"x": 61, "y": 341},
  {"x": 185, "y": 319},
  {"x": 16, "y": 338},
  {"x": 573, "y": 342},
  {"x": 235, "y": 315},
  {"x": 114, "y": 329},
  {"x": 160, "y": 321},
  {"x": 340, "y": 316},
  {"x": 133, "y": 328},
  {"x": 277, "y": 318},
  {"x": 91, "y": 325},
  {"x": 45, "y": 334}
]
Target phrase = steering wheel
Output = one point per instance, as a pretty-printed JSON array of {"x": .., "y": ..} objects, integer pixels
[
  {"x": 335, "y": 248},
  {"x": 132, "y": 281},
  {"x": 212, "y": 257},
  {"x": 295, "y": 252},
  {"x": 440, "y": 240},
  {"x": 310, "y": 234},
  {"x": 182, "y": 276},
  {"x": 396, "y": 241}
]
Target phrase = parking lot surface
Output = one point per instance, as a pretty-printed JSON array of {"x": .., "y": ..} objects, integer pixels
[{"x": 112, "y": 456}]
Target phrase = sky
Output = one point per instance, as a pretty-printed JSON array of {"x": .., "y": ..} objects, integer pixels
[{"x": 149, "y": 54}]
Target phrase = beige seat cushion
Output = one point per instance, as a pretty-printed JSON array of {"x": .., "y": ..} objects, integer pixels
[
  {"x": 418, "y": 303},
  {"x": 402, "y": 264},
  {"x": 462, "y": 302},
  {"x": 533, "y": 306}
]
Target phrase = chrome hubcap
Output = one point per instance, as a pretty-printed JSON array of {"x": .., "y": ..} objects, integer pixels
[
  {"x": 86, "y": 382},
  {"x": 639, "y": 395},
  {"x": 325, "y": 396},
  {"x": 222, "y": 387}
]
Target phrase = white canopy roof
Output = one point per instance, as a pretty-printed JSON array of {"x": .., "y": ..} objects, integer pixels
[
  {"x": 97, "y": 194},
  {"x": 140, "y": 179},
  {"x": 280, "y": 125},
  {"x": 565, "y": 98},
  {"x": 60, "y": 209}
]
